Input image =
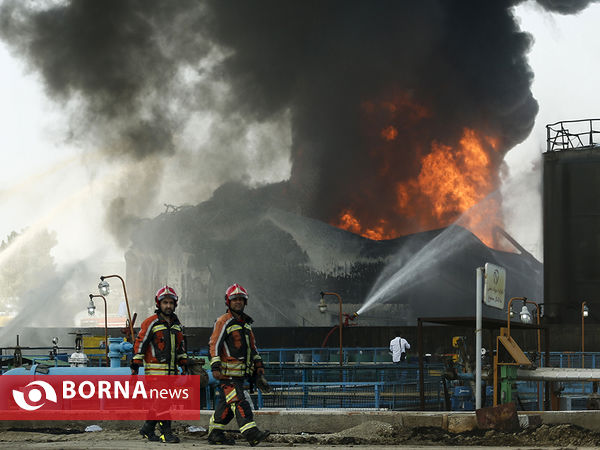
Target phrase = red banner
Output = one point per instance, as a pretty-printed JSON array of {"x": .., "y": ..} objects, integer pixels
[{"x": 98, "y": 397}]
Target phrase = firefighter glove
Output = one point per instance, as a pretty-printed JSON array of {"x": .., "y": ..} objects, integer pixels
[
  {"x": 218, "y": 375},
  {"x": 203, "y": 377},
  {"x": 134, "y": 369},
  {"x": 262, "y": 384}
]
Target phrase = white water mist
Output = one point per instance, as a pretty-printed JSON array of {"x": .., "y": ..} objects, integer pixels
[{"x": 405, "y": 272}]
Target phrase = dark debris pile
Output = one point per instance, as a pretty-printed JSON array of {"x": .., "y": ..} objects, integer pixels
[{"x": 378, "y": 433}]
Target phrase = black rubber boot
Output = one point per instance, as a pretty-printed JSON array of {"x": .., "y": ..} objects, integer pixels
[
  {"x": 147, "y": 431},
  {"x": 166, "y": 435},
  {"x": 217, "y": 437},
  {"x": 254, "y": 436}
]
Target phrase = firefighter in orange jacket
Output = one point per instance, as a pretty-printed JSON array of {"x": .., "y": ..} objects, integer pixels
[
  {"x": 234, "y": 358},
  {"x": 160, "y": 347}
]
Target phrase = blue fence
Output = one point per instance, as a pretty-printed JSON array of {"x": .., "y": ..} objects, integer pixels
[
  {"x": 318, "y": 355},
  {"x": 359, "y": 395},
  {"x": 312, "y": 378}
]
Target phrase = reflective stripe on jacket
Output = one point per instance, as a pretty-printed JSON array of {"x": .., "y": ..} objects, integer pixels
[
  {"x": 160, "y": 346},
  {"x": 232, "y": 346}
]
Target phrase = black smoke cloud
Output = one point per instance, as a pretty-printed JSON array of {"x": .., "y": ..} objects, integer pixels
[
  {"x": 330, "y": 64},
  {"x": 113, "y": 53},
  {"x": 565, "y": 6},
  {"x": 464, "y": 62}
]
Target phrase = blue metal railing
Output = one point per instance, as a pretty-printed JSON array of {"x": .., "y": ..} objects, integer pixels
[
  {"x": 318, "y": 355},
  {"x": 359, "y": 395},
  {"x": 312, "y": 378},
  {"x": 382, "y": 373}
]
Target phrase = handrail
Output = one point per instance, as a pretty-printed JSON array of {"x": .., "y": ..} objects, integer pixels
[{"x": 559, "y": 137}]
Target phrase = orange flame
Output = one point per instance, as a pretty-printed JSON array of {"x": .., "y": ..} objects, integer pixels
[
  {"x": 455, "y": 180},
  {"x": 450, "y": 182},
  {"x": 350, "y": 223},
  {"x": 389, "y": 134}
]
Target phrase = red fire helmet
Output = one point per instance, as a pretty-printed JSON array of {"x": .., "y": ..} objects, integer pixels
[
  {"x": 235, "y": 291},
  {"x": 165, "y": 291}
]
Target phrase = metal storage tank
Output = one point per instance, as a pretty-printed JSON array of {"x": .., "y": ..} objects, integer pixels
[{"x": 571, "y": 211}]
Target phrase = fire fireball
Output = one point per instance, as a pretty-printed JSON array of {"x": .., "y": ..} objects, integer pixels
[{"x": 452, "y": 183}]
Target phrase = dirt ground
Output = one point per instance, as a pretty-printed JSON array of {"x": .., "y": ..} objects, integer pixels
[{"x": 366, "y": 435}]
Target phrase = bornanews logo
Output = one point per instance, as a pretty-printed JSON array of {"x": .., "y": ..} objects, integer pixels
[
  {"x": 55, "y": 397},
  {"x": 34, "y": 396}
]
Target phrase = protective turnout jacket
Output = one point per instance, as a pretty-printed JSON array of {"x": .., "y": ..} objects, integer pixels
[
  {"x": 232, "y": 346},
  {"x": 160, "y": 346}
]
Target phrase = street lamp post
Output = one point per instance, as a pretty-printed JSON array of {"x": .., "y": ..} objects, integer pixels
[
  {"x": 584, "y": 313},
  {"x": 323, "y": 308},
  {"x": 104, "y": 289},
  {"x": 525, "y": 316},
  {"x": 511, "y": 313},
  {"x": 91, "y": 311}
]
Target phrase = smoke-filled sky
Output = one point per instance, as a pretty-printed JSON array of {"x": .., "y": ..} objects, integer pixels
[{"x": 112, "y": 109}]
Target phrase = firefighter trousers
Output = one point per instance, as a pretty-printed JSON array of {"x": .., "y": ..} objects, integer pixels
[
  {"x": 163, "y": 424},
  {"x": 232, "y": 403}
]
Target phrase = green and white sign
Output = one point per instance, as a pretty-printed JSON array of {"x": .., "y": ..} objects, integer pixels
[{"x": 494, "y": 285}]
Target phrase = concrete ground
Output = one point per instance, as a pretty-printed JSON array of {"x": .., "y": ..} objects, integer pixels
[
  {"x": 327, "y": 429},
  {"x": 123, "y": 444}
]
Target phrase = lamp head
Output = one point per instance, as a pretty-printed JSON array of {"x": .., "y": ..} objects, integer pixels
[
  {"x": 91, "y": 307},
  {"x": 103, "y": 287},
  {"x": 586, "y": 311},
  {"x": 525, "y": 315},
  {"x": 322, "y": 304}
]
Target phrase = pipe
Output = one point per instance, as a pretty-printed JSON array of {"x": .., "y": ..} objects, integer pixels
[
  {"x": 118, "y": 347},
  {"x": 508, "y": 312},
  {"x": 126, "y": 302},
  {"x": 478, "y": 325},
  {"x": 35, "y": 370},
  {"x": 341, "y": 323},
  {"x": 558, "y": 374},
  {"x": 105, "y": 325},
  {"x": 40, "y": 369},
  {"x": 582, "y": 334}
]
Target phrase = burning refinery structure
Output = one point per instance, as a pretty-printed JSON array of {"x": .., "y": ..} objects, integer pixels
[
  {"x": 390, "y": 166},
  {"x": 285, "y": 259}
]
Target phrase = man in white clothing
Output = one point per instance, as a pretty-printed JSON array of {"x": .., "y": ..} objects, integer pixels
[{"x": 398, "y": 348}]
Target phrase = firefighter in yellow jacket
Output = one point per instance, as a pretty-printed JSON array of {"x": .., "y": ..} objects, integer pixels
[
  {"x": 160, "y": 347},
  {"x": 234, "y": 358}
]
